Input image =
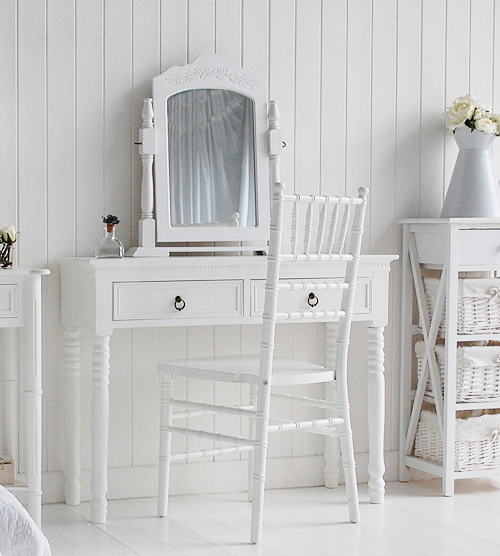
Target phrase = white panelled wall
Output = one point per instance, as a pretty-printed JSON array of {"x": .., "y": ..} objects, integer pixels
[{"x": 361, "y": 86}]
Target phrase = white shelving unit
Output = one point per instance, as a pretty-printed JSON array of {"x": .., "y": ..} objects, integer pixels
[{"x": 451, "y": 246}]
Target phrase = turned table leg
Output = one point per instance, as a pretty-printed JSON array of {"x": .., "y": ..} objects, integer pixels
[
  {"x": 376, "y": 406},
  {"x": 100, "y": 427}
]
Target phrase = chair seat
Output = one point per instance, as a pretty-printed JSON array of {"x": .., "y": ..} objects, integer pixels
[{"x": 245, "y": 369}]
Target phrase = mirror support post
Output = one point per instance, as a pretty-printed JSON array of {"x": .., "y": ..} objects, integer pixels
[
  {"x": 275, "y": 143},
  {"x": 147, "y": 225}
]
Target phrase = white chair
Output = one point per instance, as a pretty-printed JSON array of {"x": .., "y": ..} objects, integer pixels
[{"x": 338, "y": 223}]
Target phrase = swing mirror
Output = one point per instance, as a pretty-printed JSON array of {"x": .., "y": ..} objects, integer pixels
[{"x": 211, "y": 163}]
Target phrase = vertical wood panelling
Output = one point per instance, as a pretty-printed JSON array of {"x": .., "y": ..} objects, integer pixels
[
  {"x": 145, "y": 63},
  {"x": 228, "y": 30},
  {"x": 89, "y": 124},
  {"x": 361, "y": 87},
  {"x": 496, "y": 56},
  {"x": 432, "y": 107},
  {"x": 147, "y": 17},
  {"x": 32, "y": 152},
  {"x": 61, "y": 149},
  {"x": 61, "y": 146},
  {"x": 117, "y": 114},
  {"x": 145, "y": 410},
  {"x": 383, "y": 126},
  {"x": 481, "y": 48},
  {"x": 457, "y": 71},
  {"x": 227, "y": 341},
  {"x": 173, "y": 345},
  {"x": 117, "y": 200},
  {"x": 333, "y": 97},
  {"x": 282, "y": 78},
  {"x": 358, "y": 162},
  {"x": 8, "y": 112},
  {"x": 408, "y": 108},
  {"x": 32, "y": 134},
  {"x": 307, "y": 95},
  {"x": 496, "y": 80},
  {"x": 201, "y": 28},
  {"x": 255, "y": 37},
  {"x": 173, "y": 29},
  {"x": 383, "y": 237},
  {"x": 358, "y": 109}
]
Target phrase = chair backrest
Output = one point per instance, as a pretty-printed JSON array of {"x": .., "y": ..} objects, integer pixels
[{"x": 321, "y": 229}]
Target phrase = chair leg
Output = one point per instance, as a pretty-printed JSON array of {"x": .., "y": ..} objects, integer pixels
[
  {"x": 349, "y": 465},
  {"x": 259, "y": 460},
  {"x": 251, "y": 432},
  {"x": 166, "y": 388},
  {"x": 347, "y": 449},
  {"x": 259, "y": 481}
]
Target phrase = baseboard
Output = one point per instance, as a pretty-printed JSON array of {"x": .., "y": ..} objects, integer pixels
[{"x": 210, "y": 477}]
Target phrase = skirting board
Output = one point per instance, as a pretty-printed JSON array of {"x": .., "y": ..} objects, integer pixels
[{"x": 209, "y": 477}]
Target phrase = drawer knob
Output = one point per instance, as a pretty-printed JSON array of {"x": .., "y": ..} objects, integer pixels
[
  {"x": 179, "y": 303},
  {"x": 312, "y": 300}
]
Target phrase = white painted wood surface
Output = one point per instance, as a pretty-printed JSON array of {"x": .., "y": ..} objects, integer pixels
[
  {"x": 73, "y": 76},
  {"x": 465, "y": 244},
  {"x": 21, "y": 308},
  {"x": 414, "y": 521}
]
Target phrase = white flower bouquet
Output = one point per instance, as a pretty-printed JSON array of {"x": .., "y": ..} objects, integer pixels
[
  {"x": 469, "y": 112},
  {"x": 8, "y": 237}
]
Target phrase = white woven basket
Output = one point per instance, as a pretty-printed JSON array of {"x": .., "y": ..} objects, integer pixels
[
  {"x": 478, "y": 309},
  {"x": 478, "y": 371},
  {"x": 477, "y": 441}
]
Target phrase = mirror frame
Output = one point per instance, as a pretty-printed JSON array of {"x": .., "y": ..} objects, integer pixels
[{"x": 209, "y": 72}]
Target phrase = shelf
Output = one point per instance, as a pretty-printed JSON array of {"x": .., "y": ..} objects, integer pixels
[
  {"x": 464, "y": 406},
  {"x": 436, "y": 469},
  {"x": 453, "y": 247},
  {"x": 492, "y": 337}
]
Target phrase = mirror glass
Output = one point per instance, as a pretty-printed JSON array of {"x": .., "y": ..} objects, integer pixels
[{"x": 211, "y": 158}]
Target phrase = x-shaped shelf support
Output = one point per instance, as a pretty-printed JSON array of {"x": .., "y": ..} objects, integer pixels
[{"x": 430, "y": 328}]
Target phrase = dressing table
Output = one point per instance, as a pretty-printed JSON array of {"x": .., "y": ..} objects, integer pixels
[{"x": 152, "y": 288}]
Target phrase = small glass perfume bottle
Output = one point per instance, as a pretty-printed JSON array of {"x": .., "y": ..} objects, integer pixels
[{"x": 109, "y": 246}]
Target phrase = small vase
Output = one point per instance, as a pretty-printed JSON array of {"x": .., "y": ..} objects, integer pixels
[
  {"x": 109, "y": 247},
  {"x": 472, "y": 191}
]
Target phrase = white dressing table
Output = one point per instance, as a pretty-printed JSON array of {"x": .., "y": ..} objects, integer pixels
[{"x": 100, "y": 295}]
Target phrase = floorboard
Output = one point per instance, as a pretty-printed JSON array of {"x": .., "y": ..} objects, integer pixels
[{"x": 414, "y": 520}]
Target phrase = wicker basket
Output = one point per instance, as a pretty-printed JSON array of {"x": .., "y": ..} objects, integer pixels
[
  {"x": 478, "y": 310},
  {"x": 478, "y": 371},
  {"x": 477, "y": 442}
]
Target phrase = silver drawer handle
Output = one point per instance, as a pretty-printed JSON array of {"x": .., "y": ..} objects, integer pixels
[
  {"x": 312, "y": 300},
  {"x": 179, "y": 303}
]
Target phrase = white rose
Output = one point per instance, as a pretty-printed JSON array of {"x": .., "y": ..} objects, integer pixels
[
  {"x": 487, "y": 125},
  {"x": 9, "y": 234},
  {"x": 461, "y": 110},
  {"x": 481, "y": 106}
]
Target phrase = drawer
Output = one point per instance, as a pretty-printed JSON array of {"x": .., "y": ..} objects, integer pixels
[
  {"x": 8, "y": 301},
  {"x": 296, "y": 300},
  {"x": 197, "y": 300},
  {"x": 480, "y": 247},
  {"x": 476, "y": 247}
]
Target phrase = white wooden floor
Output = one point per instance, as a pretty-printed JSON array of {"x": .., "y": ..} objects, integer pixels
[{"x": 414, "y": 520}]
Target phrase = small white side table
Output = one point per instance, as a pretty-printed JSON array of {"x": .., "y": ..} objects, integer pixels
[
  {"x": 20, "y": 307},
  {"x": 450, "y": 246}
]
